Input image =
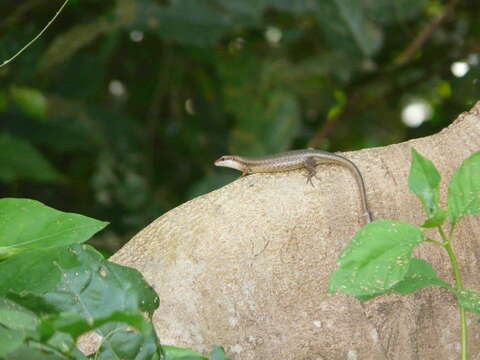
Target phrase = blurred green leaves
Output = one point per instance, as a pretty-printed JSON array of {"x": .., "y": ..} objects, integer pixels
[
  {"x": 348, "y": 25},
  {"x": 32, "y": 101},
  {"x": 203, "y": 78},
  {"x": 345, "y": 26},
  {"x": 20, "y": 160}
]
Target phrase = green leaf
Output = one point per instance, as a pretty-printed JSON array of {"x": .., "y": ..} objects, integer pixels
[
  {"x": 175, "y": 353},
  {"x": 30, "y": 100},
  {"x": 10, "y": 340},
  {"x": 15, "y": 316},
  {"x": 127, "y": 344},
  {"x": 16, "y": 324},
  {"x": 436, "y": 220},
  {"x": 390, "y": 12},
  {"x": 470, "y": 300},
  {"x": 36, "y": 351},
  {"x": 376, "y": 259},
  {"x": 190, "y": 22},
  {"x": 61, "y": 330},
  {"x": 95, "y": 293},
  {"x": 218, "y": 353},
  {"x": 464, "y": 189},
  {"x": 420, "y": 274},
  {"x": 77, "y": 278},
  {"x": 20, "y": 160},
  {"x": 345, "y": 26},
  {"x": 66, "y": 344},
  {"x": 28, "y": 224},
  {"x": 75, "y": 324},
  {"x": 424, "y": 181}
]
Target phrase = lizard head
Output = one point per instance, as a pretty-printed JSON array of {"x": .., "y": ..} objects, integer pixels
[{"x": 231, "y": 161}]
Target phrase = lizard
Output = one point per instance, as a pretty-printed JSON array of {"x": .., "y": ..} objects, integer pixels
[{"x": 292, "y": 160}]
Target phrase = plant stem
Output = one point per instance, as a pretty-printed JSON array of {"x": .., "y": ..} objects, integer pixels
[
  {"x": 438, "y": 243},
  {"x": 36, "y": 37},
  {"x": 459, "y": 287}
]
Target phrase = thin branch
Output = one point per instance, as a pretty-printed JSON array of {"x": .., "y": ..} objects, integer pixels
[
  {"x": 36, "y": 37},
  {"x": 424, "y": 35}
]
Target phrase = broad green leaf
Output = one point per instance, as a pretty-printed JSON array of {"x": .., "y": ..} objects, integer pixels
[
  {"x": 20, "y": 160},
  {"x": 424, "y": 181},
  {"x": 419, "y": 275},
  {"x": 77, "y": 278},
  {"x": 66, "y": 344},
  {"x": 10, "y": 340},
  {"x": 345, "y": 25},
  {"x": 16, "y": 324},
  {"x": 470, "y": 300},
  {"x": 61, "y": 330},
  {"x": 32, "y": 101},
  {"x": 31, "y": 301},
  {"x": 15, "y": 319},
  {"x": 128, "y": 344},
  {"x": 464, "y": 189},
  {"x": 218, "y": 353},
  {"x": 436, "y": 220},
  {"x": 14, "y": 316},
  {"x": 377, "y": 258},
  {"x": 36, "y": 272},
  {"x": 75, "y": 324},
  {"x": 175, "y": 353},
  {"x": 38, "y": 351},
  {"x": 28, "y": 224}
]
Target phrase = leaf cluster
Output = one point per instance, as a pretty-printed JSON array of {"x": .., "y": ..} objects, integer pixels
[
  {"x": 379, "y": 259},
  {"x": 54, "y": 288}
]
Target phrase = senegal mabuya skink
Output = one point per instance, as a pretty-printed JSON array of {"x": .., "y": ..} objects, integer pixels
[{"x": 291, "y": 160}]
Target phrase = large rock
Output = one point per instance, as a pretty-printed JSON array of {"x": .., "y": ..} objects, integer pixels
[{"x": 247, "y": 266}]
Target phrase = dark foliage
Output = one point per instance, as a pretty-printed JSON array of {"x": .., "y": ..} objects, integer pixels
[{"x": 119, "y": 109}]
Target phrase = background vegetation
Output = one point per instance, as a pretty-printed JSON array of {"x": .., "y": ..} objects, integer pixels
[{"x": 119, "y": 110}]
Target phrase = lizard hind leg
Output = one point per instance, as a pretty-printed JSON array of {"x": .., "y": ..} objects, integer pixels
[{"x": 311, "y": 167}]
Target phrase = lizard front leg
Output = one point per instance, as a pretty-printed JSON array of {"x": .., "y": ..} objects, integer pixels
[{"x": 310, "y": 166}]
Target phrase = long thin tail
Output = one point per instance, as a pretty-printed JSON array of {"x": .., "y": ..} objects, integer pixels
[{"x": 361, "y": 184}]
